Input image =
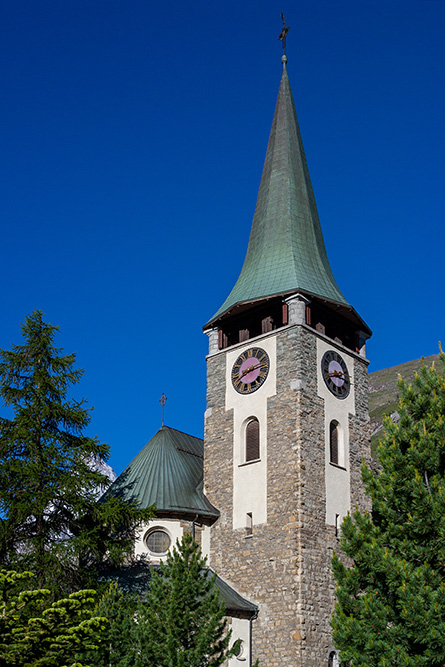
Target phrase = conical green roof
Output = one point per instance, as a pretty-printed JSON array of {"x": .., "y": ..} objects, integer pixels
[
  {"x": 286, "y": 251},
  {"x": 168, "y": 473}
]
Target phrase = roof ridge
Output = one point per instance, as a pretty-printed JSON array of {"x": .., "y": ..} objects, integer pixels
[
  {"x": 187, "y": 451},
  {"x": 170, "y": 428}
]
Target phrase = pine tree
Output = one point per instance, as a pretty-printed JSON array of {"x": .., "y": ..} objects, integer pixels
[
  {"x": 391, "y": 596},
  {"x": 35, "y": 632},
  {"x": 182, "y": 623},
  {"x": 118, "y": 647},
  {"x": 51, "y": 522}
]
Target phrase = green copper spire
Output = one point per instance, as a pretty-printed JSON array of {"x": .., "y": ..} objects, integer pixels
[{"x": 286, "y": 251}]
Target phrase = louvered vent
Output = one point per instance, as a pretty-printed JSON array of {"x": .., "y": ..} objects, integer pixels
[
  {"x": 253, "y": 440},
  {"x": 333, "y": 442}
]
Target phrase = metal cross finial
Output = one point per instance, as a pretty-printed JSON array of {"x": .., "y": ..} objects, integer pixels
[
  {"x": 163, "y": 401},
  {"x": 284, "y": 30}
]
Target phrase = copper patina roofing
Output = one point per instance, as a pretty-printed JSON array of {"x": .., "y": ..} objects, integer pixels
[
  {"x": 167, "y": 473},
  {"x": 286, "y": 251},
  {"x": 136, "y": 577}
]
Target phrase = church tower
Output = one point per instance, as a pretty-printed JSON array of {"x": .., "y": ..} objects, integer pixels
[{"x": 286, "y": 419}]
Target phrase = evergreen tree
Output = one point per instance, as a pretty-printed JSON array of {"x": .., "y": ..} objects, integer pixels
[
  {"x": 37, "y": 633},
  {"x": 182, "y": 623},
  {"x": 118, "y": 647},
  {"x": 391, "y": 596},
  {"x": 50, "y": 521}
]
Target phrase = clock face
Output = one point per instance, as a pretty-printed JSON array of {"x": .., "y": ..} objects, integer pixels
[
  {"x": 250, "y": 370},
  {"x": 335, "y": 374}
]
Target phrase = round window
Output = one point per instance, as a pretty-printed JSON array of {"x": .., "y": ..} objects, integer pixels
[{"x": 158, "y": 542}]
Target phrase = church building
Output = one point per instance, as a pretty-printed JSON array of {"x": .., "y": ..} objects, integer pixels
[{"x": 286, "y": 427}]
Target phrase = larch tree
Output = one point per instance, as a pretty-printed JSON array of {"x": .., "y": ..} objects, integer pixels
[
  {"x": 391, "y": 590},
  {"x": 50, "y": 520}
]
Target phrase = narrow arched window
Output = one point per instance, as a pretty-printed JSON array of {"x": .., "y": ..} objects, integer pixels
[
  {"x": 333, "y": 441},
  {"x": 332, "y": 659},
  {"x": 253, "y": 440}
]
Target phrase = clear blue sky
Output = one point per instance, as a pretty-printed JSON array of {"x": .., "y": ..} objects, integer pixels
[{"x": 133, "y": 135}]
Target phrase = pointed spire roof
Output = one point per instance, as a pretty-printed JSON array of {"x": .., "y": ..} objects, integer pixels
[{"x": 286, "y": 251}]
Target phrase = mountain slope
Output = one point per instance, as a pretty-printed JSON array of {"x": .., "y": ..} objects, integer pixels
[{"x": 384, "y": 392}]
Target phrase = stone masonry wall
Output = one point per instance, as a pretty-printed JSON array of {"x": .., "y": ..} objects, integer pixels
[
  {"x": 284, "y": 566},
  {"x": 360, "y": 437}
]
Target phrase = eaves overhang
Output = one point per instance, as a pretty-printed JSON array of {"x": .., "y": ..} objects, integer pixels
[
  {"x": 135, "y": 578},
  {"x": 343, "y": 309}
]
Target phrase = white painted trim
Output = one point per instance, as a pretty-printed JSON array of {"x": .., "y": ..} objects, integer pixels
[
  {"x": 250, "y": 477},
  {"x": 337, "y": 477}
]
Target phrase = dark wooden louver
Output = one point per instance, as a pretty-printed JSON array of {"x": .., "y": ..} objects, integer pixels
[
  {"x": 266, "y": 325},
  {"x": 253, "y": 440},
  {"x": 333, "y": 442}
]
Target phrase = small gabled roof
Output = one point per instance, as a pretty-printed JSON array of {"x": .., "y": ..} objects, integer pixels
[
  {"x": 136, "y": 577},
  {"x": 167, "y": 473},
  {"x": 286, "y": 251},
  {"x": 234, "y": 601}
]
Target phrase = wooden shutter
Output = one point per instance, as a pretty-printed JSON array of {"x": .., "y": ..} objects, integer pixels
[
  {"x": 266, "y": 325},
  {"x": 253, "y": 440},
  {"x": 333, "y": 442},
  {"x": 285, "y": 314}
]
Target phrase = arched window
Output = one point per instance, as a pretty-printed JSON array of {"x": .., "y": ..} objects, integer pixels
[
  {"x": 334, "y": 437},
  {"x": 332, "y": 659},
  {"x": 253, "y": 440}
]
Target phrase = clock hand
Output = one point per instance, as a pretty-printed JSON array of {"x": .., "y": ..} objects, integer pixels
[
  {"x": 249, "y": 370},
  {"x": 252, "y": 368},
  {"x": 338, "y": 374}
]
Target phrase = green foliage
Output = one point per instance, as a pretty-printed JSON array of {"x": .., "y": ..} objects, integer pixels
[
  {"x": 182, "y": 623},
  {"x": 118, "y": 647},
  {"x": 36, "y": 633},
  {"x": 51, "y": 522},
  {"x": 391, "y": 601}
]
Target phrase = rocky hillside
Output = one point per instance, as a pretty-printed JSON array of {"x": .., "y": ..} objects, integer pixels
[{"x": 384, "y": 392}]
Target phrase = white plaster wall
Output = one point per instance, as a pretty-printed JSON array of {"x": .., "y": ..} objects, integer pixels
[
  {"x": 240, "y": 630},
  {"x": 250, "y": 479},
  {"x": 205, "y": 542},
  {"x": 338, "y": 481}
]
